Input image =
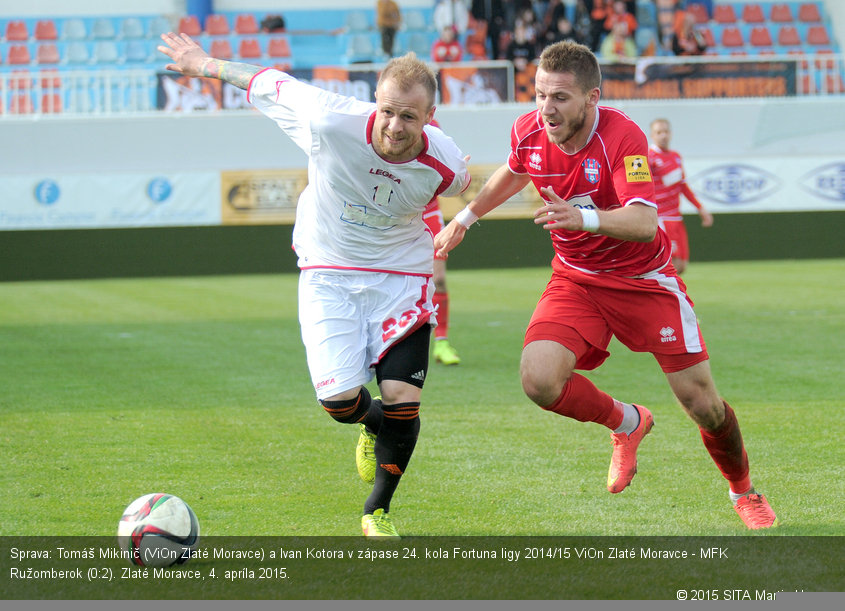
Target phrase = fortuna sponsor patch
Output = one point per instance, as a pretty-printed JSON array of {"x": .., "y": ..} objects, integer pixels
[{"x": 636, "y": 168}]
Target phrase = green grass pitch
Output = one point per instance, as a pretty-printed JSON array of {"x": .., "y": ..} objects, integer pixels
[{"x": 110, "y": 389}]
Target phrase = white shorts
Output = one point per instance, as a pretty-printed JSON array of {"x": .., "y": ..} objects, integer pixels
[{"x": 348, "y": 322}]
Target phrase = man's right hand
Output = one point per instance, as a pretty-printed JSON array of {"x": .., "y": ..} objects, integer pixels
[{"x": 448, "y": 238}]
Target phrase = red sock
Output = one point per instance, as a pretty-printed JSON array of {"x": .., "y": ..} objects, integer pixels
[
  {"x": 441, "y": 302},
  {"x": 728, "y": 452},
  {"x": 581, "y": 400}
]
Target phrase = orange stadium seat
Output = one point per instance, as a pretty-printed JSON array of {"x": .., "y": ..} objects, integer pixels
[
  {"x": 17, "y": 31},
  {"x": 788, "y": 36},
  {"x": 809, "y": 13},
  {"x": 781, "y": 13},
  {"x": 45, "y": 29},
  {"x": 20, "y": 104},
  {"x": 732, "y": 37},
  {"x": 279, "y": 47},
  {"x": 51, "y": 103},
  {"x": 833, "y": 81},
  {"x": 817, "y": 35},
  {"x": 753, "y": 13},
  {"x": 47, "y": 53},
  {"x": 221, "y": 48},
  {"x": 707, "y": 33},
  {"x": 50, "y": 79},
  {"x": 760, "y": 36},
  {"x": 249, "y": 48},
  {"x": 724, "y": 13},
  {"x": 216, "y": 25},
  {"x": 190, "y": 25},
  {"x": 699, "y": 11},
  {"x": 19, "y": 55},
  {"x": 246, "y": 24}
]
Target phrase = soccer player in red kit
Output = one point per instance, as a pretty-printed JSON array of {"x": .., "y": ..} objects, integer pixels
[
  {"x": 611, "y": 275},
  {"x": 667, "y": 170}
]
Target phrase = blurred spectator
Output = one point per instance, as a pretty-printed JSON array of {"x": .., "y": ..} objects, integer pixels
[
  {"x": 599, "y": 11},
  {"x": 452, "y": 13},
  {"x": 528, "y": 19},
  {"x": 666, "y": 21},
  {"x": 562, "y": 29},
  {"x": 687, "y": 40},
  {"x": 619, "y": 44},
  {"x": 493, "y": 14},
  {"x": 447, "y": 48},
  {"x": 388, "y": 20},
  {"x": 521, "y": 51},
  {"x": 619, "y": 12}
]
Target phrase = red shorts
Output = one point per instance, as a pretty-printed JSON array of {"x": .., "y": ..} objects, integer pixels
[
  {"x": 654, "y": 314},
  {"x": 677, "y": 232}
]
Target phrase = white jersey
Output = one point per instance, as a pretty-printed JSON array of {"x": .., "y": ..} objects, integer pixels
[{"x": 358, "y": 212}]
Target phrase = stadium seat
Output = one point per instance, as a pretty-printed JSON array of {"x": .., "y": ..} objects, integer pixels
[
  {"x": 809, "y": 13},
  {"x": 833, "y": 83},
  {"x": 824, "y": 64},
  {"x": 724, "y": 13},
  {"x": 103, "y": 29},
  {"x": 788, "y": 36},
  {"x": 419, "y": 44},
  {"x": 246, "y": 23},
  {"x": 50, "y": 79},
  {"x": 106, "y": 52},
  {"x": 216, "y": 25},
  {"x": 19, "y": 55},
  {"x": 158, "y": 26},
  {"x": 20, "y": 79},
  {"x": 781, "y": 13},
  {"x": 45, "y": 29},
  {"x": 279, "y": 46},
  {"x": 753, "y": 13},
  {"x": 760, "y": 36},
  {"x": 817, "y": 35},
  {"x": 415, "y": 21},
  {"x": 249, "y": 48},
  {"x": 646, "y": 14},
  {"x": 356, "y": 21},
  {"x": 360, "y": 49},
  {"x": 699, "y": 11},
  {"x": 136, "y": 51},
  {"x": 190, "y": 25},
  {"x": 732, "y": 38},
  {"x": 17, "y": 31},
  {"x": 221, "y": 48},
  {"x": 51, "y": 103},
  {"x": 131, "y": 27},
  {"x": 47, "y": 53},
  {"x": 74, "y": 29},
  {"x": 21, "y": 104},
  {"x": 77, "y": 53}
]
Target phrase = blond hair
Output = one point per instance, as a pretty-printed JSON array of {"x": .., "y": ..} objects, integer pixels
[{"x": 408, "y": 71}]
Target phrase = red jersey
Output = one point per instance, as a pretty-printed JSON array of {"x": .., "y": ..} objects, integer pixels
[
  {"x": 610, "y": 172},
  {"x": 669, "y": 182},
  {"x": 442, "y": 51}
]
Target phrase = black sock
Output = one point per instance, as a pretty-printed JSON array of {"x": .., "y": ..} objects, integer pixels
[
  {"x": 395, "y": 443},
  {"x": 372, "y": 419}
]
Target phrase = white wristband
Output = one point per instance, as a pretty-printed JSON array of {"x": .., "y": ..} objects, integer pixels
[
  {"x": 589, "y": 219},
  {"x": 466, "y": 217}
]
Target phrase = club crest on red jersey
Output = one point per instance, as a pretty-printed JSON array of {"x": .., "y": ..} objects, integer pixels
[{"x": 591, "y": 170}]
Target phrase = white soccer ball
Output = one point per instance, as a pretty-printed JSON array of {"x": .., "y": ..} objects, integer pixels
[{"x": 158, "y": 530}]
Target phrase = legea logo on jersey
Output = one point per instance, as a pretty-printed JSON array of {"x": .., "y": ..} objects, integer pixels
[
  {"x": 737, "y": 184},
  {"x": 828, "y": 181},
  {"x": 591, "y": 170},
  {"x": 47, "y": 192}
]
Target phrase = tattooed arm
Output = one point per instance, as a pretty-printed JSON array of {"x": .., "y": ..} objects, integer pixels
[{"x": 191, "y": 60}]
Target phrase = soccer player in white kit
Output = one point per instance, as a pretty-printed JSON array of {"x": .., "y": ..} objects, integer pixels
[{"x": 365, "y": 254}]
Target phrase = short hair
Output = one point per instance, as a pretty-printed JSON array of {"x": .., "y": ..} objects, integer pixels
[
  {"x": 408, "y": 71},
  {"x": 660, "y": 120},
  {"x": 575, "y": 58}
]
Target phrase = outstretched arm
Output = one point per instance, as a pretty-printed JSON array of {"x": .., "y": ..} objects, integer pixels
[{"x": 191, "y": 60}]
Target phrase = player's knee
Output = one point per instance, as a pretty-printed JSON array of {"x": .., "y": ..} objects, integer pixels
[
  {"x": 540, "y": 387},
  {"x": 348, "y": 411}
]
